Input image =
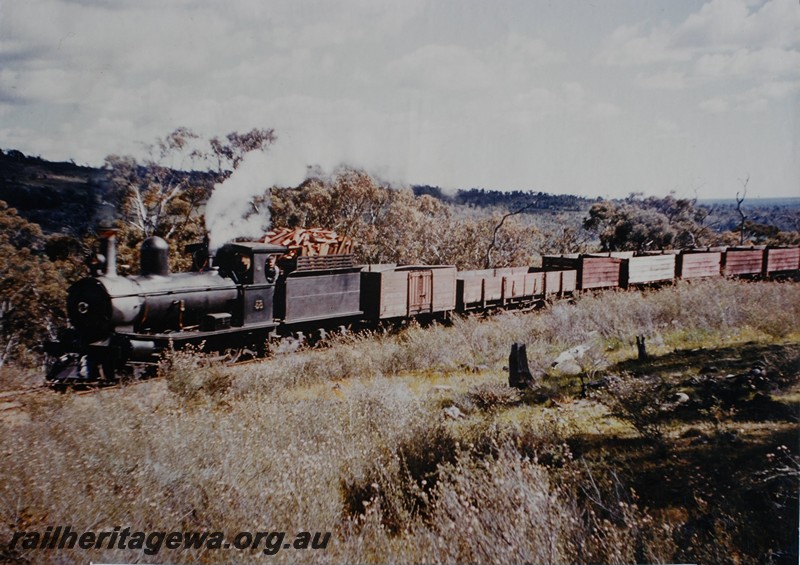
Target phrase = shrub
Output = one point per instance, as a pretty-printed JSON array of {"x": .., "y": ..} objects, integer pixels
[
  {"x": 638, "y": 401},
  {"x": 492, "y": 396}
]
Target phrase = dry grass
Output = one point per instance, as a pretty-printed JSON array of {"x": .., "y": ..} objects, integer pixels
[{"x": 352, "y": 439}]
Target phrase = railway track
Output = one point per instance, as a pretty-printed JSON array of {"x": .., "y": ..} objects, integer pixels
[{"x": 8, "y": 399}]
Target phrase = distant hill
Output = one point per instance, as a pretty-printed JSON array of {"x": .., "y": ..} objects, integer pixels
[
  {"x": 783, "y": 213},
  {"x": 514, "y": 200},
  {"x": 59, "y": 196},
  {"x": 786, "y": 202}
]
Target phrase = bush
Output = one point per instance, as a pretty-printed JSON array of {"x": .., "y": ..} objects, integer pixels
[
  {"x": 638, "y": 401},
  {"x": 493, "y": 396}
]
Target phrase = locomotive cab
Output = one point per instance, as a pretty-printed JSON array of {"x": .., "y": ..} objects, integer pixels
[{"x": 252, "y": 266}]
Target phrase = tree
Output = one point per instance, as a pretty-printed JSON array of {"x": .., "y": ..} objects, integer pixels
[
  {"x": 157, "y": 197},
  {"x": 238, "y": 144},
  {"x": 629, "y": 227},
  {"x": 743, "y": 222},
  {"x": 391, "y": 225},
  {"x": 487, "y": 264},
  {"x": 163, "y": 194},
  {"x": 563, "y": 235},
  {"x": 32, "y": 287},
  {"x": 652, "y": 223}
]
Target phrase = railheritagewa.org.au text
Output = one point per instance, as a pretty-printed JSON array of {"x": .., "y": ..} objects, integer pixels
[{"x": 55, "y": 538}]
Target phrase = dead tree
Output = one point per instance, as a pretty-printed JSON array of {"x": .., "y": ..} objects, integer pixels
[
  {"x": 487, "y": 261},
  {"x": 739, "y": 208}
]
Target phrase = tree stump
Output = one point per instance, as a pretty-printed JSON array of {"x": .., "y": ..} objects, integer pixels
[
  {"x": 641, "y": 348},
  {"x": 519, "y": 375}
]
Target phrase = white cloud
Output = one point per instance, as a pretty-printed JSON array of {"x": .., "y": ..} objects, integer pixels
[
  {"x": 759, "y": 98},
  {"x": 715, "y": 105},
  {"x": 443, "y": 67},
  {"x": 724, "y": 38},
  {"x": 666, "y": 126},
  {"x": 731, "y": 24},
  {"x": 605, "y": 110},
  {"x": 512, "y": 61},
  {"x": 664, "y": 80},
  {"x": 770, "y": 62},
  {"x": 630, "y": 46}
]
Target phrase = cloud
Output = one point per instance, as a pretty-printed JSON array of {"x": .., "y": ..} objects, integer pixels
[
  {"x": 666, "y": 126},
  {"x": 715, "y": 105},
  {"x": 770, "y": 62},
  {"x": 631, "y": 46},
  {"x": 448, "y": 92},
  {"x": 511, "y": 61},
  {"x": 736, "y": 23},
  {"x": 759, "y": 98},
  {"x": 664, "y": 80},
  {"x": 605, "y": 110},
  {"x": 724, "y": 38}
]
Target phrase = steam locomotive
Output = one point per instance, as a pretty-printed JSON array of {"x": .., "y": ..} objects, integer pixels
[
  {"x": 232, "y": 302},
  {"x": 249, "y": 293}
]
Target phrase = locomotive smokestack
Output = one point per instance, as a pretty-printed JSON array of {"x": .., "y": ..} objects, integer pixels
[{"x": 108, "y": 247}]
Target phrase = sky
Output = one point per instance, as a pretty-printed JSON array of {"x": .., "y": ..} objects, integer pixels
[{"x": 596, "y": 98}]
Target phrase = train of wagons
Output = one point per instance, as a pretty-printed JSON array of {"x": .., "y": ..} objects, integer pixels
[{"x": 249, "y": 293}]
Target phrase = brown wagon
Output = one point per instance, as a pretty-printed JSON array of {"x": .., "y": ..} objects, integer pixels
[
  {"x": 593, "y": 271},
  {"x": 697, "y": 264},
  {"x": 742, "y": 261},
  {"x": 510, "y": 286},
  {"x": 648, "y": 269},
  {"x": 781, "y": 259},
  {"x": 390, "y": 292}
]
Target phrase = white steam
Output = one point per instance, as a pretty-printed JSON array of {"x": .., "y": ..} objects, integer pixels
[{"x": 230, "y": 211}]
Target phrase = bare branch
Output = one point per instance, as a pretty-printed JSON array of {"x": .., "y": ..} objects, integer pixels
[
  {"x": 739, "y": 207},
  {"x": 488, "y": 257}
]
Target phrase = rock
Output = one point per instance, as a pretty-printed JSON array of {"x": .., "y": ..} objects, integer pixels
[
  {"x": 567, "y": 367},
  {"x": 571, "y": 354},
  {"x": 680, "y": 398},
  {"x": 568, "y": 362},
  {"x": 676, "y": 400}
]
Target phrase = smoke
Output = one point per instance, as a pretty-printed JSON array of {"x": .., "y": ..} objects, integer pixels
[{"x": 230, "y": 211}]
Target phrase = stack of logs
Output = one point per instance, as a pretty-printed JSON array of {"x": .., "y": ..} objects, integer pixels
[{"x": 309, "y": 242}]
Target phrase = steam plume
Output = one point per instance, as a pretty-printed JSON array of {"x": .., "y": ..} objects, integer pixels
[{"x": 230, "y": 213}]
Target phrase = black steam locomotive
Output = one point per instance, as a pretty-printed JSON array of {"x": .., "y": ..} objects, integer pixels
[{"x": 231, "y": 302}]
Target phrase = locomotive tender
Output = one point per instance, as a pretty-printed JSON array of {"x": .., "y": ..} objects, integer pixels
[{"x": 255, "y": 291}]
